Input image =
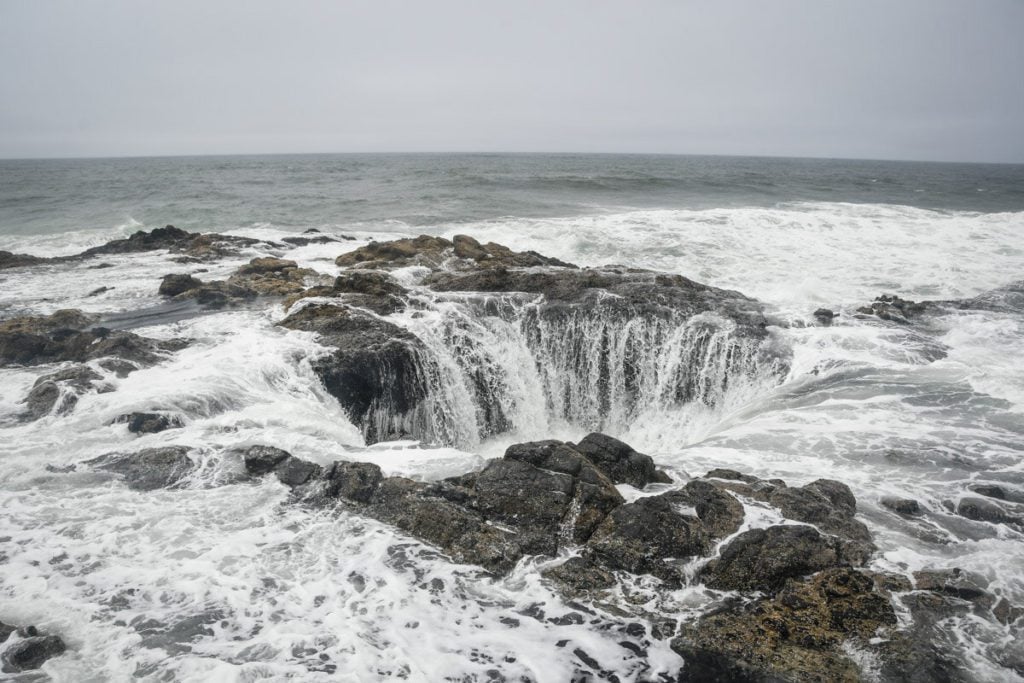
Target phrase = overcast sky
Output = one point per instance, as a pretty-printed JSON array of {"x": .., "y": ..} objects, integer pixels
[{"x": 906, "y": 79}]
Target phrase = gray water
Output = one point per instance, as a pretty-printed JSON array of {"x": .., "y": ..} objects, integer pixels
[{"x": 922, "y": 412}]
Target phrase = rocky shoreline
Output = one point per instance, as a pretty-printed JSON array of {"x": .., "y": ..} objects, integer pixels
[{"x": 797, "y": 600}]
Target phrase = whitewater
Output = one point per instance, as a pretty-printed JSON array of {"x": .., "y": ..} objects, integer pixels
[{"x": 257, "y": 589}]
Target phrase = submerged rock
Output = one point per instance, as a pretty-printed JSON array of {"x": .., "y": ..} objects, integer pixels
[
  {"x": 148, "y": 469},
  {"x": 31, "y": 653},
  {"x": 374, "y": 371},
  {"x": 895, "y": 309},
  {"x": 149, "y": 423},
  {"x": 68, "y": 335},
  {"x": 797, "y": 635},
  {"x": 903, "y": 506},
  {"x": 59, "y": 391}
]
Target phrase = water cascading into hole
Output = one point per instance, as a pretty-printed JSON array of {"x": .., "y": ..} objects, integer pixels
[{"x": 500, "y": 364}]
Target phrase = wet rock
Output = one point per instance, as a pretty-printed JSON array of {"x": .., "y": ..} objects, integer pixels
[
  {"x": 956, "y": 583},
  {"x": 58, "y": 391},
  {"x": 903, "y": 506},
  {"x": 989, "y": 491},
  {"x": 193, "y": 245},
  {"x": 148, "y": 469},
  {"x": 299, "y": 241},
  {"x": 178, "y": 283},
  {"x": 31, "y": 653},
  {"x": 260, "y": 460},
  {"x": 825, "y": 316},
  {"x": 797, "y": 635},
  {"x": 921, "y": 653},
  {"x": 375, "y": 370},
  {"x": 546, "y": 485},
  {"x": 175, "y": 638},
  {"x": 620, "y": 462},
  {"x": 895, "y": 309},
  {"x": 354, "y": 481},
  {"x": 830, "y": 506},
  {"x": 763, "y": 559},
  {"x": 580, "y": 574},
  {"x": 149, "y": 423},
  {"x": 982, "y": 510},
  {"x": 99, "y": 290},
  {"x": 5, "y": 631},
  {"x": 62, "y": 336},
  {"x": 294, "y": 471},
  {"x": 10, "y": 260},
  {"x": 1007, "y": 613},
  {"x": 270, "y": 277}
]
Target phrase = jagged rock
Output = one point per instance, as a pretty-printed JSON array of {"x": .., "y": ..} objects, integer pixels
[
  {"x": 270, "y": 277},
  {"x": 620, "y": 462},
  {"x": 59, "y": 391},
  {"x": 989, "y": 491},
  {"x": 178, "y": 283},
  {"x": 354, "y": 481},
  {"x": 895, "y": 309},
  {"x": 830, "y": 506},
  {"x": 31, "y": 653},
  {"x": 432, "y": 252},
  {"x": 903, "y": 506},
  {"x": 148, "y": 469},
  {"x": 921, "y": 653},
  {"x": 763, "y": 559},
  {"x": 982, "y": 510},
  {"x": 374, "y": 370},
  {"x": 149, "y": 423},
  {"x": 316, "y": 239},
  {"x": 580, "y": 574},
  {"x": 797, "y": 635},
  {"x": 61, "y": 336},
  {"x": 260, "y": 460},
  {"x": 9, "y": 260},
  {"x": 294, "y": 472},
  {"x": 547, "y": 485},
  {"x": 955, "y": 582},
  {"x": 193, "y": 245},
  {"x": 368, "y": 289},
  {"x": 825, "y": 316}
]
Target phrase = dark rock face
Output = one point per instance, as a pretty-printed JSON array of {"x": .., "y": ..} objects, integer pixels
[
  {"x": 794, "y": 636},
  {"x": 368, "y": 289},
  {"x": 620, "y": 462},
  {"x": 984, "y": 510},
  {"x": 9, "y": 260},
  {"x": 58, "y": 391},
  {"x": 830, "y": 506},
  {"x": 260, "y": 460},
  {"x": 903, "y": 506},
  {"x": 30, "y": 653},
  {"x": 149, "y": 423},
  {"x": 375, "y": 371},
  {"x": 895, "y": 309},
  {"x": 148, "y": 469},
  {"x": 825, "y": 316},
  {"x": 763, "y": 559},
  {"x": 62, "y": 336},
  {"x": 432, "y": 251},
  {"x": 178, "y": 283},
  {"x": 192, "y": 245}
]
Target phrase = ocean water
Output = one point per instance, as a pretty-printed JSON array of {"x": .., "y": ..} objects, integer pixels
[{"x": 257, "y": 589}]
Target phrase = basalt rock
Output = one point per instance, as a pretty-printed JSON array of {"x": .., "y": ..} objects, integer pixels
[
  {"x": 63, "y": 336},
  {"x": 372, "y": 290},
  {"x": 149, "y": 423},
  {"x": 643, "y": 536},
  {"x": 830, "y": 506},
  {"x": 903, "y": 506},
  {"x": 620, "y": 462},
  {"x": 58, "y": 392},
  {"x": 374, "y": 369},
  {"x": 797, "y": 635},
  {"x": 985, "y": 510},
  {"x": 271, "y": 277},
  {"x": 9, "y": 260},
  {"x": 29, "y": 652},
  {"x": 432, "y": 252},
  {"x": 178, "y": 283},
  {"x": 895, "y": 309},
  {"x": 191, "y": 245},
  {"x": 763, "y": 559},
  {"x": 148, "y": 469},
  {"x": 825, "y": 316}
]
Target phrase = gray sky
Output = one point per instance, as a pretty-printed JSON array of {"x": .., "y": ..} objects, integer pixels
[{"x": 906, "y": 79}]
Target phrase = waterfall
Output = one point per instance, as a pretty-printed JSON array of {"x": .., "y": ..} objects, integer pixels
[{"x": 504, "y": 363}]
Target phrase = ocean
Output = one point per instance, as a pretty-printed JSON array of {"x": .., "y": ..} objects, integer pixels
[{"x": 261, "y": 589}]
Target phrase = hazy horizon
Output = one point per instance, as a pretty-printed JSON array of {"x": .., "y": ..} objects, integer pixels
[{"x": 925, "y": 80}]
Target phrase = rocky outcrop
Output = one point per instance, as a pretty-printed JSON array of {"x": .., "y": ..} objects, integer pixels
[
  {"x": 620, "y": 462},
  {"x": 26, "y": 649},
  {"x": 796, "y": 635},
  {"x": 368, "y": 289},
  {"x": 10, "y": 260},
  {"x": 149, "y": 423},
  {"x": 374, "y": 369},
  {"x": 433, "y": 252},
  {"x": 69, "y": 335},
  {"x": 148, "y": 469},
  {"x": 191, "y": 246},
  {"x": 262, "y": 276},
  {"x": 58, "y": 392}
]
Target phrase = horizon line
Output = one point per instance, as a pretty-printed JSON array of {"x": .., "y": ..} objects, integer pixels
[{"x": 505, "y": 153}]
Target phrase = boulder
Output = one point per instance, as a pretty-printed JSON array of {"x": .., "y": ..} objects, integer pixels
[
  {"x": 260, "y": 460},
  {"x": 903, "y": 506},
  {"x": 798, "y": 635},
  {"x": 58, "y": 391},
  {"x": 192, "y": 245},
  {"x": 31, "y": 653},
  {"x": 148, "y": 469},
  {"x": 825, "y": 316},
  {"x": 375, "y": 370},
  {"x": 149, "y": 423},
  {"x": 983, "y": 510},
  {"x": 895, "y": 309},
  {"x": 178, "y": 283},
  {"x": 763, "y": 559},
  {"x": 620, "y": 462}
]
